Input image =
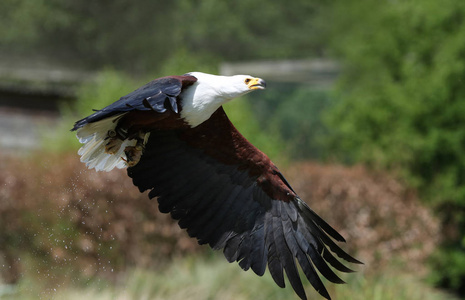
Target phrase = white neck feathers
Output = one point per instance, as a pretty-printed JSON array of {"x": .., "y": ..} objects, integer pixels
[{"x": 204, "y": 97}]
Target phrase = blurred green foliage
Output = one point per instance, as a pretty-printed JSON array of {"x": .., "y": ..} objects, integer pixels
[
  {"x": 402, "y": 104},
  {"x": 204, "y": 277},
  {"x": 293, "y": 112},
  {"x": 142, "y": 35},
  {"x": 241, "y": 114}
]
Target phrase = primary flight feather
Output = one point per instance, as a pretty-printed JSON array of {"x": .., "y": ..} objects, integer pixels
[{"x": 177, "y": 142}]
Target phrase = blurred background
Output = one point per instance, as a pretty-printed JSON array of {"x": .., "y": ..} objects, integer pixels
[{"x": 364, "y": 114}]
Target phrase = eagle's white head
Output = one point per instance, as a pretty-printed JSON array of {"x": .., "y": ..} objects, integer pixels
[{"x": 203, "y": 98}]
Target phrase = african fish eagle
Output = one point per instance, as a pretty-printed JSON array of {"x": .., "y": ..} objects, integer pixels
[{"x": 177, "y": 142}]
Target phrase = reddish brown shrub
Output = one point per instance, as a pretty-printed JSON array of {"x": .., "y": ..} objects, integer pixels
[
  {"x": 380, "y": 218},
  {"x": 58, "y": 218},
  {"x": 63, "y": 216}
]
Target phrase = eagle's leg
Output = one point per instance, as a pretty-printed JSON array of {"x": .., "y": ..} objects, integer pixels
[
  {"x": 114, "y": 142},
  {"x": 134, "y": 153}
]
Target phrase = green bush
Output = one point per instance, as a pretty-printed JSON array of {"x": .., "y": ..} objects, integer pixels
[
  {"x": 143, "y": 36},
  {"x": 199, "y": 278},
  {"x": 293, "y": 113},
  {"x": 402, "y": 104},
  {"x": 241, "y": 114}
]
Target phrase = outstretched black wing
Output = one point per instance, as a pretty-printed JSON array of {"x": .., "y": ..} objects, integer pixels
[
  {"x": 228, "y": 194},
  {"x": 157, "y": 95}
]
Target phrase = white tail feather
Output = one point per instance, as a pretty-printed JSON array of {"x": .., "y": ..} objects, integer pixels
[{"x": 94, "y": 137}]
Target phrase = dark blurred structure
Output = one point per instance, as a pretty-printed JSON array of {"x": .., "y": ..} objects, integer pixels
[{"x": 31, "y": 92}]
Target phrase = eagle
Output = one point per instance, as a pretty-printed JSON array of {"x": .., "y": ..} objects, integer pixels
[{"x": 177, "y": 142}]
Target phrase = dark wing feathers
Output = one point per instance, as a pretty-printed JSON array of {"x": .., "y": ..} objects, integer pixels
[
  {"x": 224, "y": 204},
  {"x": 284, "y": 253},
  {"x": 322, "y": 223},
  {"x": 255, "y": 257},
  {"x": 328, "y": 257},
  {"x": 157, "y": 95},
  {"x": 274, "y": 263}
]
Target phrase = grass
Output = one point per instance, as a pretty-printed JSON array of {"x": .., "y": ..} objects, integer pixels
[{"x": 213, "y": 278}]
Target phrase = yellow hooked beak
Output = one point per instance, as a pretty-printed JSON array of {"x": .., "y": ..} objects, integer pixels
[{"x": 255, "y": 83}]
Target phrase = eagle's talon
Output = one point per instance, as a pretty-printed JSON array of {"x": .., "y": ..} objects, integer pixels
[
  {"x": 133, "y": 154},
  {"x": 112, "y": 146}
]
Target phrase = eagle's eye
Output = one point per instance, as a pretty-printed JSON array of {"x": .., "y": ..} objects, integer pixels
[{"x": 247, "y": 80}]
